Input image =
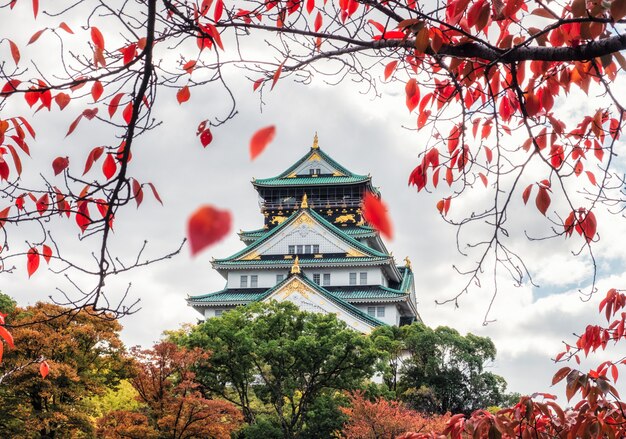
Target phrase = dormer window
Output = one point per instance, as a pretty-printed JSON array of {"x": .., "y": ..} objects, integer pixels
[{"x": 314, "y": 171}]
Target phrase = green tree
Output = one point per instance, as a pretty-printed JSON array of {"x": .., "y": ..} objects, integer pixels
[
  {"x": 293, "y": 361},
  {"x": 439, "y": 370},
  {"x": 85, "y": 357}
]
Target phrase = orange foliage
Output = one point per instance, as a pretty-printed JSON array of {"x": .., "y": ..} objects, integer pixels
[{"x": 384, "y": 419}]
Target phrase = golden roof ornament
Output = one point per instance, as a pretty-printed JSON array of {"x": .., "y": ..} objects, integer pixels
[
  {"x": 305, "y": 202},
  {"x": 315, "y": 142},
  {"x": 295, "y": 268},
  {"x": 407, "y": 263}
]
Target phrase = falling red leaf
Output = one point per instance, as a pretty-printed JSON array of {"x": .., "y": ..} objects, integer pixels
[
  {"x": 260, "y": 140},
  {"x": 109, "y": 167},
  {"x": 97, "y": 38},
  {"x": 46, "y": 252},
  {"x": 183, "y": 95},
  {"x": 59, "y": 164},
  {"x": 206, "y": 226},
  {"x": 32, "y": 261},
  {"x": 375, "y": 213},
  {"x": 6, "y": 335},
  {"x": 44, "y": 369},
  {"x": 35, "y": 8}
]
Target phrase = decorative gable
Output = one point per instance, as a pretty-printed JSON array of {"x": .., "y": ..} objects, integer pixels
[
  {"x": 303, "y": 235},
  {"x": 314, "y": 165},
  {"x": 307, "y": 298}
]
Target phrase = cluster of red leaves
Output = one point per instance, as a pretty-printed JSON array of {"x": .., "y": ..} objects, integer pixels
[{"x": 386, "y": 419}]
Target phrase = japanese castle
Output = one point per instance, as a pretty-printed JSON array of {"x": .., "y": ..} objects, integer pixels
[{"x": 316, "y": 251}]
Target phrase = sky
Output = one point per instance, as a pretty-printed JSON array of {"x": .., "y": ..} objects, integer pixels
[{"x": 366, "y": 134}]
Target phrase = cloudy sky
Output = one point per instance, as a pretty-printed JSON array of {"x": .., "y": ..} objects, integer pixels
[{"x": 367, "y": 134}]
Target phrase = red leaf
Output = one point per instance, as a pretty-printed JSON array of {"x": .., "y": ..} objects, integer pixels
[
  {"x": 35, "y": 8},
  {"x": 6, "y": 335},
  {"x": 561, "y": 373},
  {"x": 42, "y": 204},
  {"x": 44, "y": 369},
  {"x": 217, "y": 12},
  {"x": 318, "y": 22},
  {"x": 109, "y": 167},
  {"x": 35, "y": 36},
  {"x": 66, "y": 28},
  {"x": 15, "y": 52},
  {"x": 189, "y": 66},
  {"x": 257, "y": 84},
  {"x": 137, "y": 191},
  {"x": 127, "y": 114},
  {"x": 62, "y": 99},
  {"x": 82, "y": 216},
  {"x": 412, "y": 94},
  {"x": 375, "y": 213},
  {"x": 97, "y": 38},
  {"x": 96, "y": 90},
  {"x": 4, "y": 214},
  {"x": 206, "y": 137},
  {"x": 183, "y": 95},
  {"x": 88, "y": 113},
  {"x": 94, "y": 155},
  {"x": 32, "y": 261},
  {"x": 4, "y": 170},
  {"x": 543, "y": 200},
  {"x": 260, "y": 140},
  {"x": 128, "y": 53},
  {"x": 155, "y": 193},
  {"x": 206, "y": 226},
  {"x": 578, "y": 168},
  {"x": 115, "y": 102},
  {"x": 59, "y": 164},
  {"x": 310, "y": 5},
  {"x": 46, "y": 252},
  {"x": 389, "y": 69},
  {"x": 526, "y": 193},
  {"x": 483, "y": 178},
  {"x": 16, "y": 159},
  {"x": 277, "y": 75},
  {"x": 592, "y": 178}
]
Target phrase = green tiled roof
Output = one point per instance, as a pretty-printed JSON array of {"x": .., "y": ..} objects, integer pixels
[
  {"x": 317, "y": 262},
  {"x": 356, "y": 232},
  {"x": 236, "y": 296},
  {"x": 330, "y": 227},
  {"x": 310, "y": 181},
  {"x": 367, "y": 293},
  {"x": 239, "y": 297}
]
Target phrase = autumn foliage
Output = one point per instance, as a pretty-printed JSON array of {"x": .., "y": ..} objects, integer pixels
[{"x": 383, "y": 419}]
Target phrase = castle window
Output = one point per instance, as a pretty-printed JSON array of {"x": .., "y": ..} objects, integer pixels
[
  {"x": 352, "y": 278},
  {"x": 326, "y": 279},
  {"x": 279, "y": 278},
  {"x": 363, "y": 278},
  {"x": 300, "y": 249},
  {"x": 219, "y": 312},
  {"x": 316, "y": 248},
  {"x": 254, "y": 281},
  {"x": 380, "y": 311},
  {"x": 314, "y": 171},
  {"x": 371, "y": 311},
  {"x": 316, "y": 278},
  {"x": 243, "y": 281},
  {"x": 292, "y": 249},
  {"x": 307, "y": 249}
]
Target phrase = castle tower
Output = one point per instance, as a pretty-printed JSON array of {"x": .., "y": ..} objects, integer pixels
[{"x": 316, "y": 251}]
